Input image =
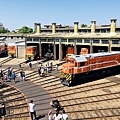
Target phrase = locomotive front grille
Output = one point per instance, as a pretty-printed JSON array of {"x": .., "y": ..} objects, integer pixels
[
  {"x": 31, "y": 56},
  {"x": 68, "y": 77},
  {"x": 10, "y": 54}
]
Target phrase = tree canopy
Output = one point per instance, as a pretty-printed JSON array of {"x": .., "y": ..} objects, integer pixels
[
  {"x": 3, "y": 30},
  {"x": 83, "y": 25},
  {"x": 25, "y": 29}
]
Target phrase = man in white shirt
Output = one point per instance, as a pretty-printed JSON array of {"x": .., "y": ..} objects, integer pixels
[
  {"x": 57, "y": 116},
  {"x": 64, "y": 116},
  {"x": 32, "y": 109}
]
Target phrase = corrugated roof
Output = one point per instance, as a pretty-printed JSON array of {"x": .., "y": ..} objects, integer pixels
[
  {"x": 82, "y": 58},
  {"x": 92, "y": 55},
  {"x": 77, "y": 35},
  {"x": 78, "y": 58}
]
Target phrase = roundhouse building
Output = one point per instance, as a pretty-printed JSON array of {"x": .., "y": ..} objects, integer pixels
[{"x": 58, "y": 38}]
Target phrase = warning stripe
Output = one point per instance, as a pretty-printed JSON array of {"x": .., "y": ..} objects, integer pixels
[{"x": 67, "y": 76}]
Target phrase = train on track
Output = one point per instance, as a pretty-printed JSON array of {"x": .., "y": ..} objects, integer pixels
[
  {"x": 12, "y": 51},
  {"x": 3, "y": 49},
  {"x": 70, "y": 51},
  {"x": 86, "y": 67},
  {"x": 49, "y": 55},
  {"x": 31, "y": 53}
]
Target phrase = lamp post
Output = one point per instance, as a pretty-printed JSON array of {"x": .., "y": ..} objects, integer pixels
[{"x": 7, "y": 34}]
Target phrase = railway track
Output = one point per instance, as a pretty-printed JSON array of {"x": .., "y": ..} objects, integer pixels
[
  {"x": 4, "y": 61},
  {"x": 15, "y": 103},
  {"x": 94, "y": 100}
]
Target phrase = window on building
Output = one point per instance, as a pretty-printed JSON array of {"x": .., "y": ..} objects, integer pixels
[
  {"x": 64, "y": 40},
  {"x": 29, "y": 39},
  {"x": 50, "y": 40},
  {"x": 103, "y": 30},
  {"x": 79, "y": 40},
  {"x": 115, "y": 41},
  {"x": 75, "y": 64},
  {"x": 105, "y": 41},
  {"x": 56, "y": 40},
  {"x": 36, "y": 40},
  {"x": 86, "y": 41},
  {"x": 70, "y": 40},
  {"x": 96, "y": 41},
  {"x": 43, "y": 40},
  {"x": 82, "y": 64}
]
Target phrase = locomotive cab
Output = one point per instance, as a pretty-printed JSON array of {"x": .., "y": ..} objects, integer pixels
[{"x": 49, "y": 55}]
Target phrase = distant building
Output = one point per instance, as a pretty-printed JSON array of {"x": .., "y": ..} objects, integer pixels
[
  {"x": 16, "y": 30},
  {"x": 1, "y": 25}
]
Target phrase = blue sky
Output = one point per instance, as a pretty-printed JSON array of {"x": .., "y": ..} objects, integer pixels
[{"x": 17, "y": 13}]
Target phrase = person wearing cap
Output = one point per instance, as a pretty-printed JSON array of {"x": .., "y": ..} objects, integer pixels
[{"x": 56, "y": 105}]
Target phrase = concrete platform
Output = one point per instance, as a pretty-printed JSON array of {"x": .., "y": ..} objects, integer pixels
[{"x": 14, "y": 61}]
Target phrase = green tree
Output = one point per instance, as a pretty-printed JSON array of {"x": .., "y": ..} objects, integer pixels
[
  {"x": 3, "y": 30},
  {"x": 25, "y": 29},
  {"x": 83, "y": 25}
]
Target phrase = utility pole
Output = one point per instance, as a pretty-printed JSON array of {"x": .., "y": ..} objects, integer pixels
[{"x": 7, "y": 34}]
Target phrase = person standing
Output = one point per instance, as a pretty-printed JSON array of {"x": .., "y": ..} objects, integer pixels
[
  {"x": 30, "y": 65},
  {"x": 57, "y": 116},
  {"x": 64, "y": 116},
  {"x": 32, "y": 109},
  {"x": 19, "y": 65},
  {"x": 5, "y": 78},
  {"x": 1, "y": 77},
  {"x": 42, "y": 71},
  {"x": 10, "y": 72},
  {"x": 56, "y": 67},
  {"x": 51, "y": 65},
  {"x": 1, "y": 74},
  {"x": 13, "y": 76},
  {"x": 21, "y": 75}
]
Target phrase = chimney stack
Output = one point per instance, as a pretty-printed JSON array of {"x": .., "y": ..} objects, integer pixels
[
  {"x": 38, "y": 28},
  {"x": 93, "y": 26},
  {"x": 35, "y": 27},
  {"x": 76, "y": 27},
  {"x": 113, "y": 25},
  {"x": 53, "y": 28}
]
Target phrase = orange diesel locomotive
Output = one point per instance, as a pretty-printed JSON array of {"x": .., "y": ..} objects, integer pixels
[
  {"x": 31, "y": 52},
  {"x": 81, "y": 68},
  {"x": 70, "y": 51},
  {"x": 12, "y": 51},
  {"x": 3, "y": 48}
]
